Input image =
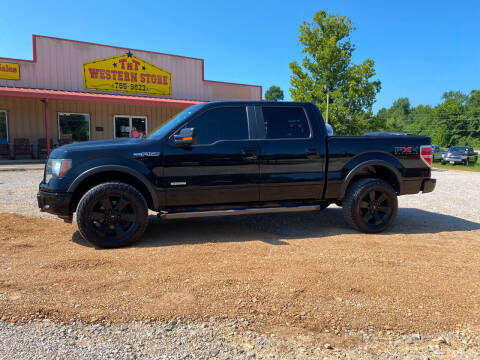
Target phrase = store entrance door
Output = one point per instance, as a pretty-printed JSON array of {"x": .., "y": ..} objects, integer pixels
[{"x": 129, "y": 126}]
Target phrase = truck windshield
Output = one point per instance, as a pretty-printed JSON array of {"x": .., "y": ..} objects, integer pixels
[
  {"x": 458, "y": 149},
  {"x": 171, "y": 124}
]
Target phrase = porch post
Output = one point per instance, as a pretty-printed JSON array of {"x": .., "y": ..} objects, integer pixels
[{"x": 47, "y": 126}]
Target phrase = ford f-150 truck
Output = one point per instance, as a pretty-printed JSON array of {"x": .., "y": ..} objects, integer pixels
[{"x": 229, "y": 158}]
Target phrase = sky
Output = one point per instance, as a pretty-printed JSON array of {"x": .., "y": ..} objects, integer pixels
[{"x": 421, "y": 48}]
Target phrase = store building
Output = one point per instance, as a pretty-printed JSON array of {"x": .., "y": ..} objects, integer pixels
[{"x": 78, "y": 91}]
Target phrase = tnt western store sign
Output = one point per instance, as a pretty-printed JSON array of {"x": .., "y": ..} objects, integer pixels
[
  {"x": 77, "y": 91},
  {"x": 127, "y": 73}
]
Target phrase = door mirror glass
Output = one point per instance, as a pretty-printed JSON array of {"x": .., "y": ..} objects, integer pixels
[{"x": 186, "y": 137}]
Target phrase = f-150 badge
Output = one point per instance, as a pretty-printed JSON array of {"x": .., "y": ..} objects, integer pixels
[{"x": 146, "y": 154}]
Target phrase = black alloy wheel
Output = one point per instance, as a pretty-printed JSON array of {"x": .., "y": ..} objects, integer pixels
[
  {"x": 375, "y": 208},
  {"x": 370, "y": 205},
  {"x": 112, "y": 214}
]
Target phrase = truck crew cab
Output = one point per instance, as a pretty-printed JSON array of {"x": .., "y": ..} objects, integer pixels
[{"x": 228, "y": 158}]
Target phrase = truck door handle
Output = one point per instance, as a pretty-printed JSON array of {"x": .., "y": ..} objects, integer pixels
[{"x": 249, "y": 154}]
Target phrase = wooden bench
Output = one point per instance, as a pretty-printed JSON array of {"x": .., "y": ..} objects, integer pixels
[
  {"x": 21, "y": 146},
  {"x": 5, "y": 151},
  {"x": 42, "y": 147}
]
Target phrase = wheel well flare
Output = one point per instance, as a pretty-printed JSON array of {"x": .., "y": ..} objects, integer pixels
[{"x": 106, "y": 176}]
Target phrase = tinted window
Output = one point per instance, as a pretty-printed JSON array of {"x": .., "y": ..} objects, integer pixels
[
  {"x": 285, "y": 123},
  {"x": 229, "y": 123}
]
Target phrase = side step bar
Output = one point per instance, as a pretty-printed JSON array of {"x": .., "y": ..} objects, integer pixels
[{"x": 196, "y": 214}]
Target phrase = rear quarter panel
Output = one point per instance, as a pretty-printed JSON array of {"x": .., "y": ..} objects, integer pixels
[{"x": 346, "y": 153}]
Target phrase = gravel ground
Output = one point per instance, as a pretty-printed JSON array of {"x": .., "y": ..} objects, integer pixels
[
  {"x": 43, "y": 339},
  {"x": 18, "y": 194},
  {"x": 452, "y": 209}
]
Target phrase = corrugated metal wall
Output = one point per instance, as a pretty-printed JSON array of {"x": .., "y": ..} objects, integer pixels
[
  {"x": 26, "y": 117},
  {"x": 59, "y": 66}
]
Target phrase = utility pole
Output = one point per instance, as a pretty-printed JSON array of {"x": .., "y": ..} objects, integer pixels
[{"x": 327, "y": 91}]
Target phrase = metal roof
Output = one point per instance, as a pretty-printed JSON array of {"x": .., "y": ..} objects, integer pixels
[{"x": 45, "y": 94}]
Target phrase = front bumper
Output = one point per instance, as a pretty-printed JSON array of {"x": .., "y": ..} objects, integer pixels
[
  {"x": 428, "y": 185},
  {"x": 454, "y": 160},
  {"x": 55, "y": 203}
]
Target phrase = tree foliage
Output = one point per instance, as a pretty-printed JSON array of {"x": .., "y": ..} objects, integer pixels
[
  {"x": 274, "y": 93},
  {"x": 455, "y": 121},
  {"x": 328, "y": 62}
]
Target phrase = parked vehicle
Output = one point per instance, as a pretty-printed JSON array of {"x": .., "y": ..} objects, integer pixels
[
  {"x": 437, "y": 153},
  {"x": 230, "y": 158},
  {"x": 460, "y": 155}
]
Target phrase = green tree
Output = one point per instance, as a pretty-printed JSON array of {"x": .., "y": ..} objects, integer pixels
[
  {"x": 455, "y": 121},
  {"x": 472, "y": 118},
  {"x": 456, "y": 95},
  {"x": 328, "y": 62},
  {"x": 397, "y": 117},
  {"x": 420, "y": 121},
  {"x": 449, "y": 120},
  {"x": 378, "y": 122},
  {"x": 274, "y": 93}
]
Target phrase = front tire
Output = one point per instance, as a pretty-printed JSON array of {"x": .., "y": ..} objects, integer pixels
[
  {"x": 112, "y": 214},
  {"x": 370, "y": 205}
]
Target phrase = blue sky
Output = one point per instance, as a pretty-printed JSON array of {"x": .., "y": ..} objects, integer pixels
[{"x": 421, "y": 48}]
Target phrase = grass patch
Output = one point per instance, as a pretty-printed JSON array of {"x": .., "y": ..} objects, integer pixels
[{"x": 475, "y": 167}]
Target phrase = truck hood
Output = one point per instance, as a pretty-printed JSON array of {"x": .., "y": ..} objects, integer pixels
[
  {"x": 100, "y": 144},
  {"x": 93, "y": 148}
]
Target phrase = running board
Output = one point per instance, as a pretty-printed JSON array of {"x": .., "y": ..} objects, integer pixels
[{"x": 196, "y": 214}]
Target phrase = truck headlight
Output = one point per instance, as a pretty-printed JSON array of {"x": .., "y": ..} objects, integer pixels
[{"x": 57, "y": 168}]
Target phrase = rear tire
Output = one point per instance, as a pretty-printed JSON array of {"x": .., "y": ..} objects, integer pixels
[
  {"x": 112, "y": 214},
  {"x": 370, "y": 205}
]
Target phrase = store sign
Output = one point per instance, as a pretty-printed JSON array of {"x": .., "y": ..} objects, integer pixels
[
  {"x": 9, "y": 71},
  {"x": 126, "y": 74}
]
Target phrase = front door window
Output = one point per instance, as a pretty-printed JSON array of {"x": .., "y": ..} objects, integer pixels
[{"x": 130, "y": 126}]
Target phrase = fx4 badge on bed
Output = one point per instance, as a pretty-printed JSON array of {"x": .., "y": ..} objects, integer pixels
[{"x": 407, "y": 150}]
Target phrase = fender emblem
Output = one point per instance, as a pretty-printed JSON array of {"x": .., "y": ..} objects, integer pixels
[
  {"x": 406, "y": 150},
  {"x": 146, "y": 154}
]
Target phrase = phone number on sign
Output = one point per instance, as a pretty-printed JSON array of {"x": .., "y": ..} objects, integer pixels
[{"x": 126, "y": 86}]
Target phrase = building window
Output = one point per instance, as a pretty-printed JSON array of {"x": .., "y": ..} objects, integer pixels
[
  {"x": 3, "y": 127},
  {"x": 73, "y": 127},
  {"x": 129, "y": 126}
]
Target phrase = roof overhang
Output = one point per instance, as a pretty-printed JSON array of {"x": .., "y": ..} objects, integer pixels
[{"x": 44, "y": 94}]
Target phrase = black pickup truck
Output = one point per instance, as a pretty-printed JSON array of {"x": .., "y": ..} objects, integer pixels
[{"x": 229, "y": 158}]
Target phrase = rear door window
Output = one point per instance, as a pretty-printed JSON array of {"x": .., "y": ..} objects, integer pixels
[
  {"x": 228, "y": 123},
  {"x": 283, "y": 122}
]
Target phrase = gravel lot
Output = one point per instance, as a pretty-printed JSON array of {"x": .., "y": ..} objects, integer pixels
[
  {"x": 268, "y": 286},
  {"x": 18, "y": 191}
]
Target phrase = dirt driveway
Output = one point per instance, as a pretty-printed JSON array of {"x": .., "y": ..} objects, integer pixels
[{"x": 283, "y": 273}]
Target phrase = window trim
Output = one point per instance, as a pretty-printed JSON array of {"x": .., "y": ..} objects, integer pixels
[
  {"x": 74, "y": 113},
  {"x": 130, "y": 123},
  {"x": 261, "y": 121},
  {"x": 6, "y": 121},
  {"x": 200, "y": 113}
]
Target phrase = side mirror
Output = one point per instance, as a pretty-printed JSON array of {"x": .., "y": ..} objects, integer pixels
[{"x": 186, "y": 137}]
